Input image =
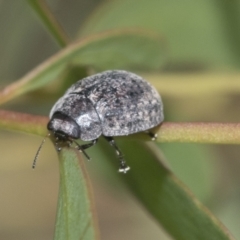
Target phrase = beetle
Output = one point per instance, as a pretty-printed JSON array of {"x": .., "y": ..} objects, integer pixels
[{"x": 111, "y": 103}]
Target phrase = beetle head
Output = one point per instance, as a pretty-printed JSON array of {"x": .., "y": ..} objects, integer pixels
[{"x": 63, "y": 127}]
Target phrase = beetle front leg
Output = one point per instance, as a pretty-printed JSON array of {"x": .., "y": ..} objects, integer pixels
[{"x": 85, "y": 146}]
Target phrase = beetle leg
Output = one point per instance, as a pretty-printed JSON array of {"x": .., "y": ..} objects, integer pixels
[
  {"x": 88, "y": 145},
  {"x": 85, "y": 146},
  {"x": 58, "y": 148},
  {"x": 152, "y": 135},
  {"x": 123, "y": 167}
]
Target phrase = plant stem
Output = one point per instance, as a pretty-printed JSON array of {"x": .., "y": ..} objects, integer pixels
[
  {"x": 49, "y": 21},
  {"x": 221, "y": 133},
  {"x": 22, "y": 122},
  {"x": 224, "y": 133}
]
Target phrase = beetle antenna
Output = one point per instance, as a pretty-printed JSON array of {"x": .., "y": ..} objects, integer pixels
[{"x": 38, "y": 151}]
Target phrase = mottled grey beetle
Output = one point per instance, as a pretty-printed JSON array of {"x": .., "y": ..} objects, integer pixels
[{"x": 111, "y": 103}]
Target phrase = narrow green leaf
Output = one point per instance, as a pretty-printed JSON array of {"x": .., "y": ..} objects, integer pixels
[
  {"x": 49, "y": 21},
  {"x": 195, "y": 165},
  {"x": 116, "y": 49},
  {"x": 75, "y": 215},
  {"x": 201, "y": 34},
  {"x": 165, "y": 196}
]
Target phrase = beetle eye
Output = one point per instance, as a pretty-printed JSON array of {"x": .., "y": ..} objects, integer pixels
[{"x": 38, "y": 151}]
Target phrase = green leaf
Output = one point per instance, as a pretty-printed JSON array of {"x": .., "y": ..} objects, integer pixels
[
  {"x": 116, "y": 49},
  {"x": 199, "y": 33},
  {"x": 75, "y": 215},
  {"x": 194, "y": 164},
  {"x": 165, "y": 196}
]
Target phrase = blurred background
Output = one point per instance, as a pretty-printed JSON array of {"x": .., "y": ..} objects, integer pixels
[{"x": 202, "y": 40}]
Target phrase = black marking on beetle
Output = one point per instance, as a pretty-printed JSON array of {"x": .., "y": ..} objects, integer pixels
[{"x": 111, "y": 103}]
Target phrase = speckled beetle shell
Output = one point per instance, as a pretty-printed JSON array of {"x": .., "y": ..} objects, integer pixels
[{"x": 111, "y": 103}]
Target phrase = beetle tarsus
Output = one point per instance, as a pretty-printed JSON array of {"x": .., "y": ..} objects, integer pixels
[
  {"x": 58, "y": 148},
  {"x": 123, "y": 167},
  {"x": 152, "y": 135}
]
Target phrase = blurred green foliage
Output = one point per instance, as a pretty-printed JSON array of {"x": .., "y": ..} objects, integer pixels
[{"x": 200, "y": 34}]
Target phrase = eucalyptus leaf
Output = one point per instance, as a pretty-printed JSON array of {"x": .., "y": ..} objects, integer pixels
[
  {"x": 75, "y": 215},
  {"x": 200, "y": 34},
  {"x": 165, "y": 197},
  {"x": 195, "y": 165},
  {"x": 122, "y": 49}
]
